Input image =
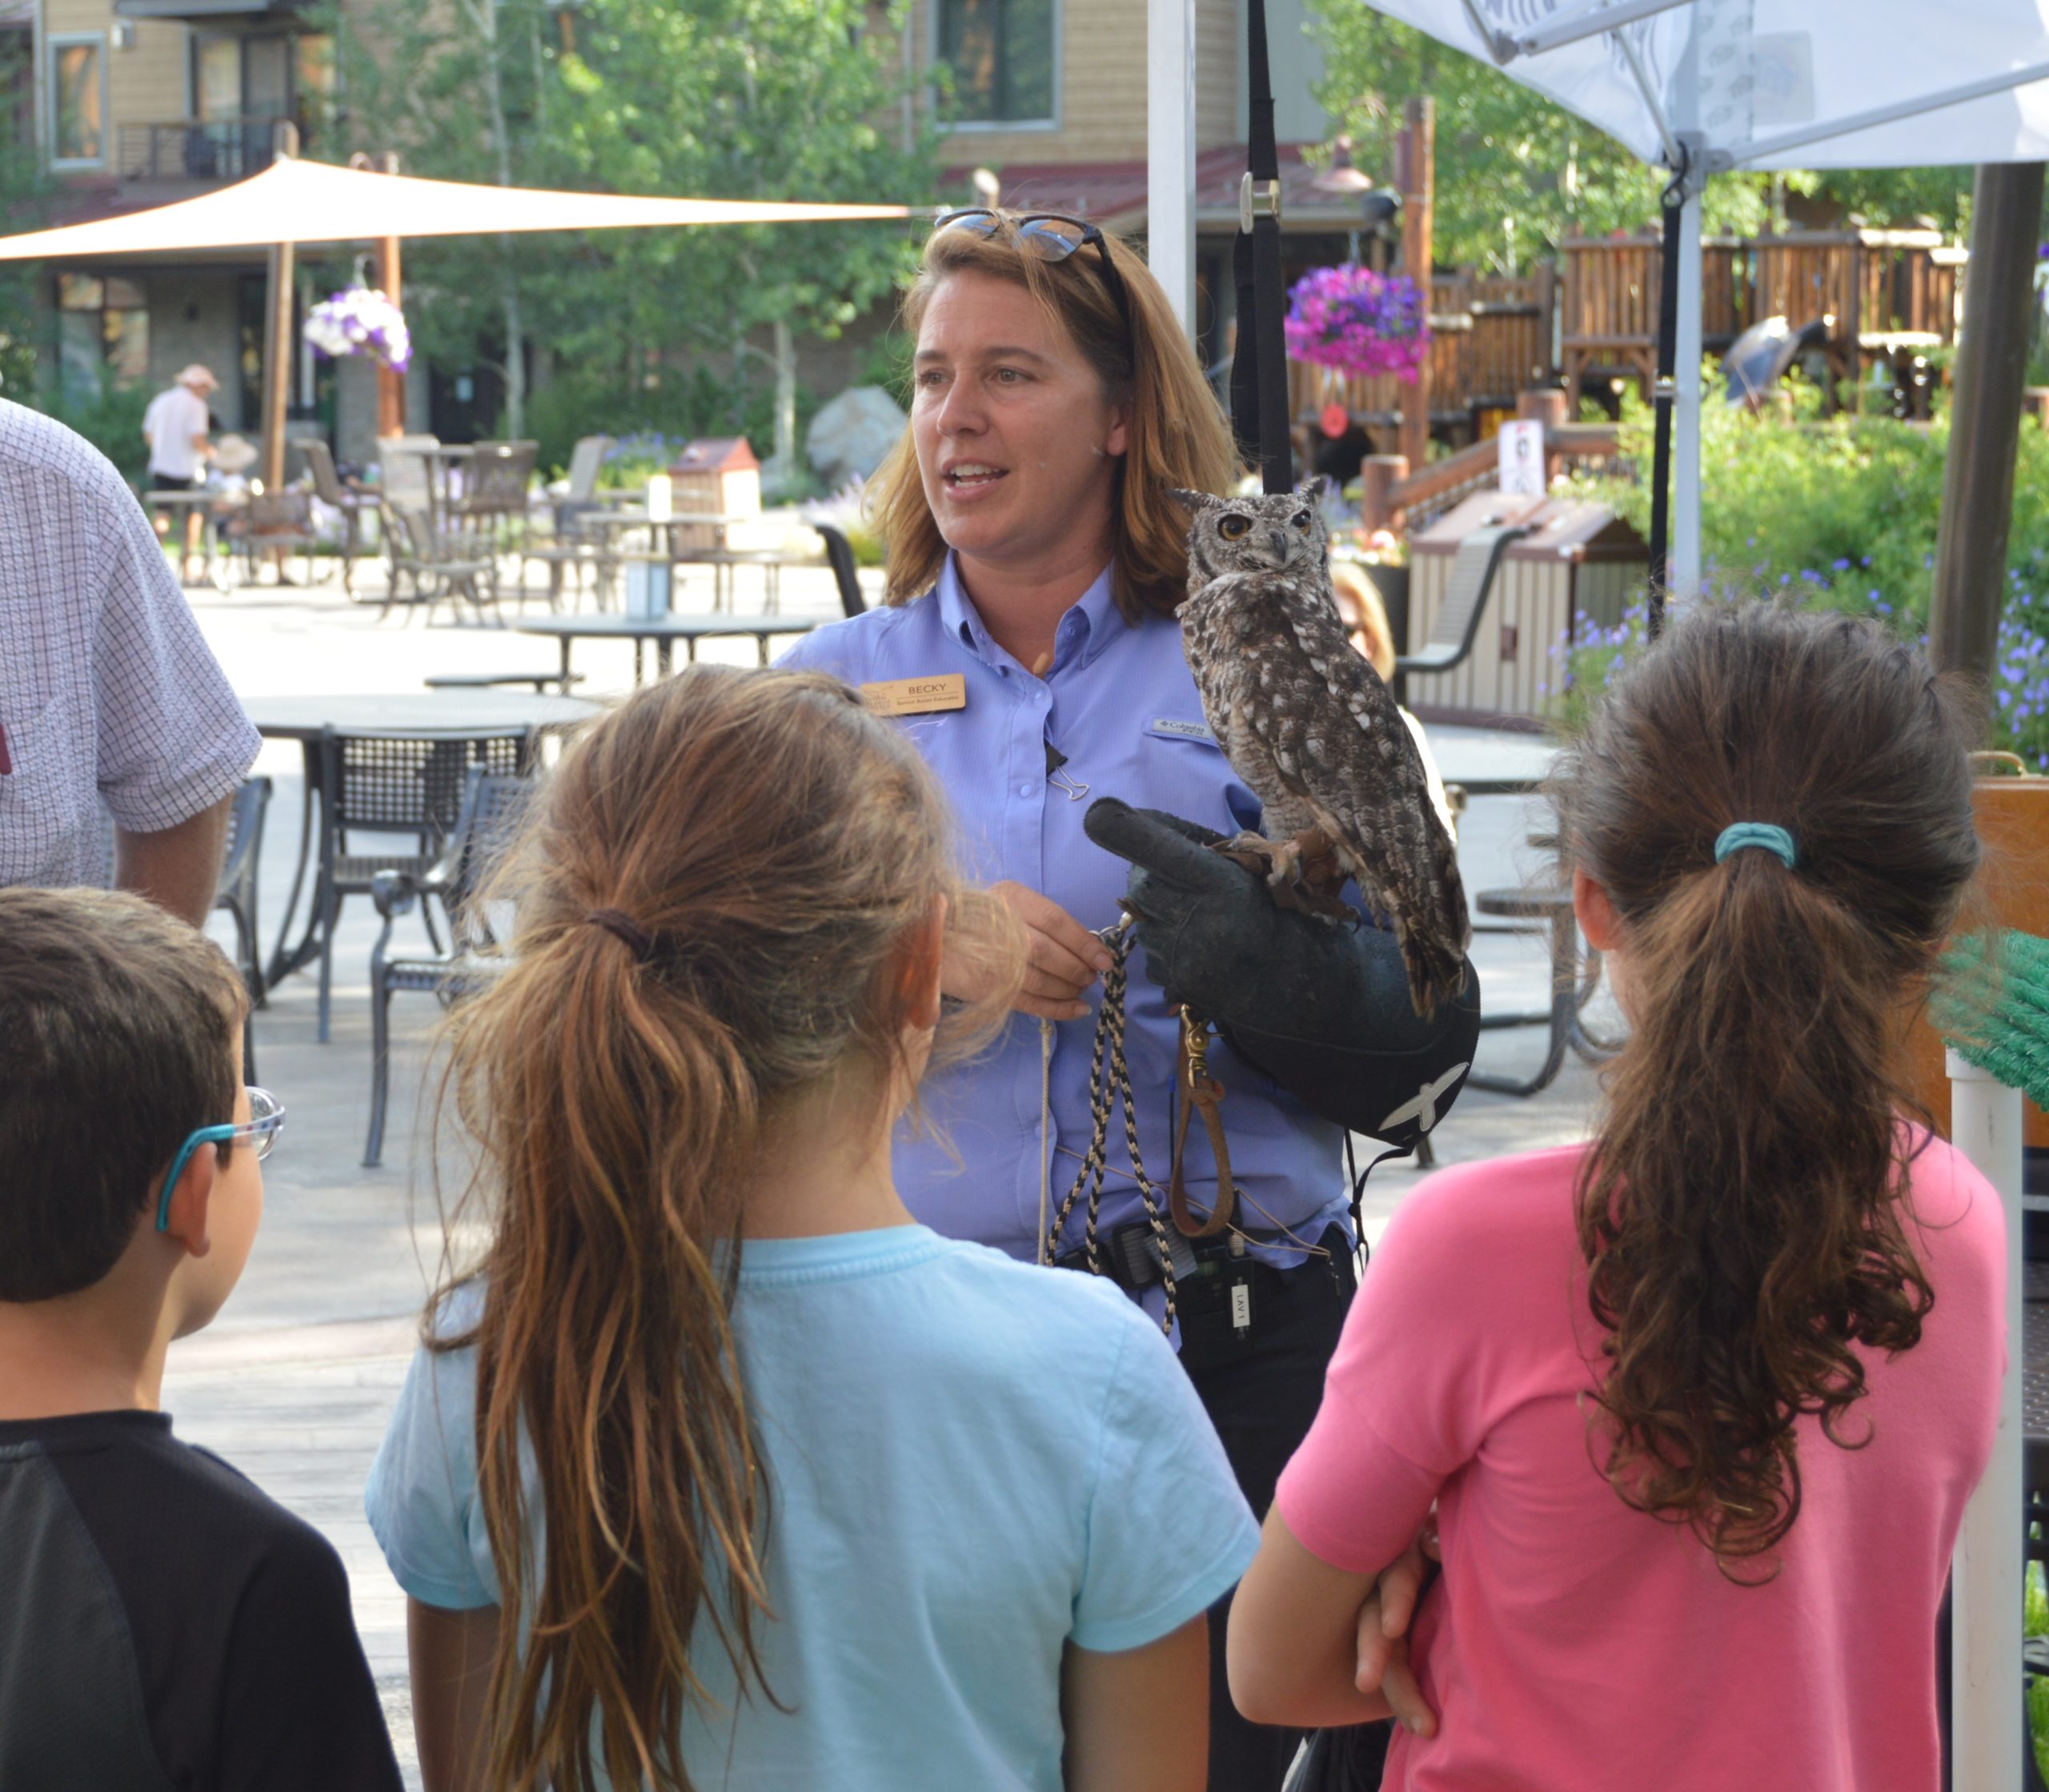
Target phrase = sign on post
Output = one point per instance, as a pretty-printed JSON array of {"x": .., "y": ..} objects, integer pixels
[{"x": 1521, "y": 445}]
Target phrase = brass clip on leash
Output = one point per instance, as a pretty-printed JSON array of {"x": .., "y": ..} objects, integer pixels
[{"x": 1200, "y": 1093}]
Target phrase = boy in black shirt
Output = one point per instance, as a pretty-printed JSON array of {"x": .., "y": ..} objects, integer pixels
[{"x": 163, "y": 1624}]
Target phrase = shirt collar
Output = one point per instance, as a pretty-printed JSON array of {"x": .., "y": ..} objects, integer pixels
[{"x": 1087, "y": 628}]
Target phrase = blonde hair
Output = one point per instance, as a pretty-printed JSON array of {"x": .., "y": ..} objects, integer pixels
[
  {"x": 713, "y": 903},
  {"x": 1365, "y": 617},
  {"x": 1177, "y": 436}
]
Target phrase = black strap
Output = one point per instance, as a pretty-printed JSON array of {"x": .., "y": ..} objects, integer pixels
[
  {"x": 1357, "y": 1178},
  {"x": 1259, "y": 369},
  {"x": 1662, "y": 396}
]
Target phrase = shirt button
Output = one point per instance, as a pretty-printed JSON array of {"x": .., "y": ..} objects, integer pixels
[{"x": 1025, "y": 790}]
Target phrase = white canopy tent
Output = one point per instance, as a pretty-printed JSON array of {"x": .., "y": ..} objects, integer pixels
[
  {"x": 311, "y": 202},
  {"x": 293, "y": 201},
  {"x": 1701, "y": 87}
]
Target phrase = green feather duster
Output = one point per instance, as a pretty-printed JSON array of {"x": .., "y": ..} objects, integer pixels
[{"x": 1992, "y": 1009}]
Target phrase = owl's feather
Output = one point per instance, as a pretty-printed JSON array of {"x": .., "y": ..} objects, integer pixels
[{"x": 1307, "y": 723}]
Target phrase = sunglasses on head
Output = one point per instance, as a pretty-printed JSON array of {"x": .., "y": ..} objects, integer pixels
[{"x": 1051, "y": 235}]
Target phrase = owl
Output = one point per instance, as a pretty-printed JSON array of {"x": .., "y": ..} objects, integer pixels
[{"x": 1306, "y": 722}]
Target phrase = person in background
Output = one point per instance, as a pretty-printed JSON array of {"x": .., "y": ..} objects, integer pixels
[
  {"x": 722, "y": 1471},
  {"x": 1700, "y": 1403},
  {"x": 163, "y": 1622},
  {"x": 177, "y": 426},
  {"x": 109, "y": 694}
]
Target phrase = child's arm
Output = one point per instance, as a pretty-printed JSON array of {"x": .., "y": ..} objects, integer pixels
[
  {"x": 1138, "y": 1720},
  {"x": 1294, "y": 1651},
  {"x": 450, "y": 1654}
]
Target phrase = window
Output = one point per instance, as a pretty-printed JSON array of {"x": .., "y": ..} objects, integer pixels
[
  {"x": 1001, "y": 55},
  {"x": 104, "y": 333},
  {"x": 77, "y": 99}
]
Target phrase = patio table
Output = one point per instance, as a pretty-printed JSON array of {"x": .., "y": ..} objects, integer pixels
[
  {"x": 455, "y": 715},
  {"x": 664, "y": 631}
]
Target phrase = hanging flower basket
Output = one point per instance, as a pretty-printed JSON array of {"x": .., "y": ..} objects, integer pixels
[
  {"x": 1358, "y": 322},
  {"x": 360, "y": 320}
]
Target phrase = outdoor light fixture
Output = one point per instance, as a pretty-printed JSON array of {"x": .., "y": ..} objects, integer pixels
[{"x": 1342, "y": 179}]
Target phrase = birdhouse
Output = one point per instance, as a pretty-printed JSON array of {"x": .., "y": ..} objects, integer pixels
[
  {"x": 716, "y": 474},
  {"x": 1577, "y": 563}
]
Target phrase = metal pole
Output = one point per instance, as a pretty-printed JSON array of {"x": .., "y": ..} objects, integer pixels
[
  {"x": 1987, "y": 1723},
  {"x": 1170, "y": 153},
  {"x": 1419, "y": 186},
  {"x": 1978, "y": 477},
  {"x": 1663, "y": 392}
]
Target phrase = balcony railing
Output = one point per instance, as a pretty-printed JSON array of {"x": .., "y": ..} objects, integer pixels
[{"x": 195, "y": 149}]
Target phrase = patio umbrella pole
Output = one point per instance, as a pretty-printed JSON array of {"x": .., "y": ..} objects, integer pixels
[{"x": 277, "y": 364}]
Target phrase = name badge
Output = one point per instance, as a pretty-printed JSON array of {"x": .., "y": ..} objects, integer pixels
[
  {"x": 1176, "y": 727},
  {"x": 916, "y": 696}
]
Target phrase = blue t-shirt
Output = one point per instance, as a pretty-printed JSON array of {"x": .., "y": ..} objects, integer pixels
[{"x": 973, "y": 1463}]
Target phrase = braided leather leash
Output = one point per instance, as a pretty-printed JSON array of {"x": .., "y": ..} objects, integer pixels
[{"x": 1109, "y": 1082}]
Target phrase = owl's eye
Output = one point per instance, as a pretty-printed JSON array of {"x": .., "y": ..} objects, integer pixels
[
  {"x": 1302, "y": 520},
  {"x": 1231, "y": 527}
]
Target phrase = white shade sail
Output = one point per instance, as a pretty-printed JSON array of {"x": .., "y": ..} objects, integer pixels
[
  {"x": 312, "y": 202},
  {"x": 1776, "y": 83}
]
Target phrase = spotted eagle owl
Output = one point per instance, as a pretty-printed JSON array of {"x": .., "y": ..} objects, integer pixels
[{"x": 1307, "y": 724}]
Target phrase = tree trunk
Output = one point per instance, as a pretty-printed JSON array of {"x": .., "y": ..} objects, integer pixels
[
  {"x": 515, "y": 362},
  {"x": 786, "y": 400}
]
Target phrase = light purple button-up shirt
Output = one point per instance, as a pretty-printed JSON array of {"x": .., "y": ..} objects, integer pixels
[{"x": 1120, "y": 704}]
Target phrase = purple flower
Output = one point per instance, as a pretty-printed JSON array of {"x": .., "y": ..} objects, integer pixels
[{"x": 1358, "y": 322}]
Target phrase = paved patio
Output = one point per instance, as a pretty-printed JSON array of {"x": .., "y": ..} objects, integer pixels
[{"x": 293, "y": 1382}]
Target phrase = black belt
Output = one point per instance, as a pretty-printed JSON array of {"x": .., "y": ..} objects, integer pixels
[{"x": 1129, "y": 1255}]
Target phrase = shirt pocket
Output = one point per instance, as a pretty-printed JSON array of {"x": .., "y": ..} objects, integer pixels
[
  {"x": 1188, "y": 775},
  {"x": 40, "y": 814}
]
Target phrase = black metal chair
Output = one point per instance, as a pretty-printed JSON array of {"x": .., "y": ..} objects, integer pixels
[
  {"x": 395, "y": 783},
  {"x": 236, "y": 893},
  {"x": 492, "y": 807},
  {"x": 839, "y": 554},
  {"x": 1457, "y": 623}
]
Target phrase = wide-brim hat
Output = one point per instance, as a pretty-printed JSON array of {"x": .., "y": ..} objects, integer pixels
[{"x": 195, "y": 375}]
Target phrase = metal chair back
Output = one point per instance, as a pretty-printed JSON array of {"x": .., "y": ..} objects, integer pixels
[
  {"x": 586, "y": 460},
  {"x": 406, "y": 483},
  {"x": 406, "y": 783},
  {"x": 279, "y": 513},
  {"x": 494, "y": 807},
  {"x": 326, "y": 481},
  {"x": 1457, "y": 623},
  {"x": 496, "y": 478},
  {"x": 840, "y": 555}
]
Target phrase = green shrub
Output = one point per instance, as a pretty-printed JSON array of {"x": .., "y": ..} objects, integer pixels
[
  {"x": 677, "y": 406},
  {"x": 110, "y": 419},
  {"x": 1841, "y": 514}
]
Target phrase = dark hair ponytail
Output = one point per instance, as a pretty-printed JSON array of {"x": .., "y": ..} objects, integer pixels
[{"x": 1738, "y": 1213}]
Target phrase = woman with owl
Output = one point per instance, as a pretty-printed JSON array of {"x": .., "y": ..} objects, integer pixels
[{"x": 1029, "y": 647}]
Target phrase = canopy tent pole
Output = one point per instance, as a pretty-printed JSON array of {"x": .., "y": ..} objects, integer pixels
[
  {"x": 1985, "y": 419},
  {"x": 1664, "y": 392},
  {"x": 1682, "y": 572},
  {"x": 1259, "y": 368},
  {"x": 1170, "y": 153}
]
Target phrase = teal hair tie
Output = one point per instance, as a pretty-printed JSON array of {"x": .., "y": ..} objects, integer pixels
[{"x": 1740, "y": 834}]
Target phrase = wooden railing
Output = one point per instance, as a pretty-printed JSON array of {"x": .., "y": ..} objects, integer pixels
[
  {"x": 194, "y": 149},
  {"x": 1391, "y": 497}
]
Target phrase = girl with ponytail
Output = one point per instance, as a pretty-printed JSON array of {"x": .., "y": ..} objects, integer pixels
[
  {"x": 1698, "y": 1403},
  {"x": 718, "y": 1471}
]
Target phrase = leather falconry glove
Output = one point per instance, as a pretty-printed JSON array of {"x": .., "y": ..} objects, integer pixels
[{"x": 1321, "y": 1007}]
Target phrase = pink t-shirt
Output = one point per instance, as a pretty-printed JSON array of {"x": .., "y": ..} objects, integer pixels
[{"x": 1575, "y": 1644}]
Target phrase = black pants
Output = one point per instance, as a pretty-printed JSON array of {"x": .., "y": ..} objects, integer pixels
[{"x": 1261, "y": 1401}]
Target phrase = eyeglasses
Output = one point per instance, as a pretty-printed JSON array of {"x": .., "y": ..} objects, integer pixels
[
  {"x": 265, "y": 1121},
  {"x": 1051, "y": 235}
]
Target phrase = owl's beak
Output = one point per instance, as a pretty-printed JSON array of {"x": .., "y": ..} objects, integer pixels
[{"x": 1279, "y": 538}]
